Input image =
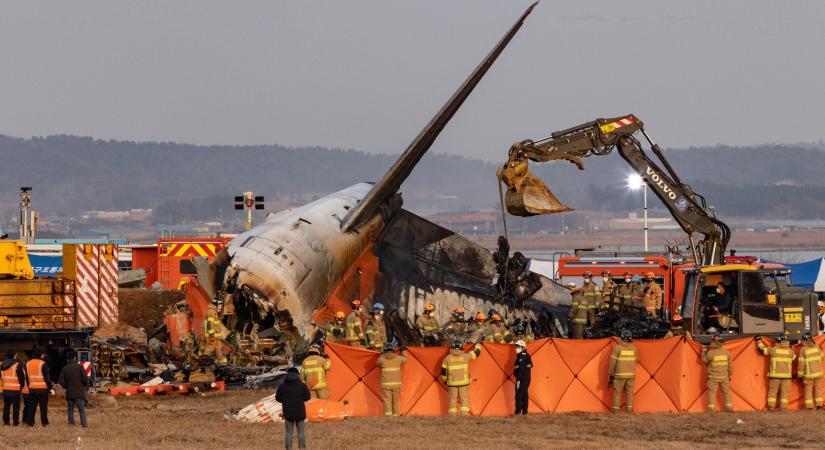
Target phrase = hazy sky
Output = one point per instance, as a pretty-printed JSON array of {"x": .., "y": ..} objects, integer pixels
[{"x": 369, "y": 74}]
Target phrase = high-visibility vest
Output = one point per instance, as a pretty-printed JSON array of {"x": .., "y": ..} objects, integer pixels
[
  {"x": 10, "y": 381},
  {"x": 591, "y": 294},
  {"x": 390, "y": 365},
  {"x": 456, "y": 367},
  {"x": 314, "y": 370},
  {"x": 623, "y": 361},
  {"x": 810, "y": 362},
  {"x": 781, "y": 360},
  {"x": 35, "y": 369},
  {"x": 355, "y": 332}
]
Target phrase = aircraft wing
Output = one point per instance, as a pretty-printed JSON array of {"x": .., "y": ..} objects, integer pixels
[{"x": 402, "y": 168}]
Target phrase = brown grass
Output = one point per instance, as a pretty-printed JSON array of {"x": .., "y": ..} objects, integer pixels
[{"x": 197, "y": 422}]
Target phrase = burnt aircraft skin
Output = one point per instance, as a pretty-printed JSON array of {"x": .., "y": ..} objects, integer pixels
[{"x": 281, "y": 271}]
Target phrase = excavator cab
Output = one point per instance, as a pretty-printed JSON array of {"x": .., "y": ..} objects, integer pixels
[{"x": 744, "y": 300}]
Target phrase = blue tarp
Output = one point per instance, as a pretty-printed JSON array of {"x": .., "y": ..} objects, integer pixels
[
  {"x": 45, "y": 266},
  {"x": 809, "y": 275}
]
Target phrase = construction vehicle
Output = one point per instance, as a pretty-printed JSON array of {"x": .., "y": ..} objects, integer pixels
[{"x": 760, "y": 298}]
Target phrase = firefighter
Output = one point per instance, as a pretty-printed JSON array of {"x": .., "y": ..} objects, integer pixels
[
  {"x": 652, "y": 295},
  {"x": 213, "y": 347},
  {"x": 314, "y": 372},
  {"x": 212, "y": 321},
  {"x": 455, "y": 373},
  {"x": 523, "y": 367},
  {"x": 376, "y": 330},
  {"x": 498, "y": 332},
  {"x": 336, "y": 330},
  {"x": 522, "y": 331},
  {"x": 592, "y": 297},
  {"x": 355, "y": 329},
  {"x": 13, "y": 380},
  {"x": 622, "y": 372},
  {"x": 427, "y": 324},
  {"x": 720, "y": 370},
  {"x": 779, "y": 376},
  {"x": 627, "y": 293},
  {"x": 809, "y": 370},
  {"x": 478, "y": 328},
  {"x": 458, "y": 325},
  {"x": 677, "y": 327},
  {"x": 390, "y": 364},
  {"x": 608, "y": 290},
  {"x": 578, "y": 312}
]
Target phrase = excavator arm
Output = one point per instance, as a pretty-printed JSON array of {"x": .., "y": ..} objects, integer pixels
[{"x": 527, "y": 195}]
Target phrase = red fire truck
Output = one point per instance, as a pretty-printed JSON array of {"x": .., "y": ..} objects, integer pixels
[{"x": 169, "y": 261}]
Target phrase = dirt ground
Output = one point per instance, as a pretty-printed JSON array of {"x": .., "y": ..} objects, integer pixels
[
  {"x": 197, "y": 422},
  {"x": 145, "y": 308}
]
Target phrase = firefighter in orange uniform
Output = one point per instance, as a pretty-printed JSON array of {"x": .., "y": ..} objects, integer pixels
[
  {"x": 391, "y": 380},
  {"x": 355, "y": 329},
  {"x": 314, "y": 372},
  {"x": 779, "y": 376},
  {"x": 809, "y": 370},
  {"x": 40, "y": 386},
  {"x": 720, "y": 369},
  {"x": 622, "y": 372},
  {"x": 13, "y": 379},
  {"x": 455, "y": 373}
]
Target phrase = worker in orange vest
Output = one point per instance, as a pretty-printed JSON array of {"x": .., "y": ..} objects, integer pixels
[
  {"x": 13, "y": 379},
  {"x": 40, "y": 386}
]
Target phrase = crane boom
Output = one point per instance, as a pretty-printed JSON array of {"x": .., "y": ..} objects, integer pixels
[{"x": 527, "y": 195}]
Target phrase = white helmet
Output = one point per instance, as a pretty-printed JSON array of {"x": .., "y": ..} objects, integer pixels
[{"x": 520, "y": 343}]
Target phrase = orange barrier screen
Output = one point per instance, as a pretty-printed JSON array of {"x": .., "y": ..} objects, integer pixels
[{"x": 568, "y": 375}]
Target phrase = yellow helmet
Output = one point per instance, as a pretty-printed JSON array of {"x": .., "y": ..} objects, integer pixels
[{"x": 429, "y": 308}]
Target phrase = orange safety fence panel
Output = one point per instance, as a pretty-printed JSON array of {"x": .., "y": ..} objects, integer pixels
[{"x": 568, "y": 375}]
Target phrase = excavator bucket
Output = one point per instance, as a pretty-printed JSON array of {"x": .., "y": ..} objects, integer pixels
[{"x": 526, "y": 194}]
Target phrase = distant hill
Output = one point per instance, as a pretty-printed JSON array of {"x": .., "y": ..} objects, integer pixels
[{"x": 72, "y": 174}]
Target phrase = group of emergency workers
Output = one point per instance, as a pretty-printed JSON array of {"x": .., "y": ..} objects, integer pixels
[
  {"x": 28, "y": 383},
  {"x": 590, "y": 300},
  {"x": 455, "y": 367}
]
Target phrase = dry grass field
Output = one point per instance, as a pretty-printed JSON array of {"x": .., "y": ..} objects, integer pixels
[{"x": 197, "y": 422}]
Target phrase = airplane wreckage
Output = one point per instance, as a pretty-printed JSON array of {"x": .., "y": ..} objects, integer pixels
[{"x": 302, "y": 265}]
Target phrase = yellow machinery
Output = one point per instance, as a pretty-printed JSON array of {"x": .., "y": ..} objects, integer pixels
[{"x": 14, "y": 262}]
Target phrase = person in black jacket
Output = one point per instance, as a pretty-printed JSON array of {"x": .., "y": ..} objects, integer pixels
[
  {"x": 292, "y": 395},
  {"x": 13, "y": 381},
  {"x": 73, "y": 378},
  {"x": 522, "y": 373}
]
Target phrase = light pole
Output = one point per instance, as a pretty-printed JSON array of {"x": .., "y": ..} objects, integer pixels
[{"x": 637, "y": 182}]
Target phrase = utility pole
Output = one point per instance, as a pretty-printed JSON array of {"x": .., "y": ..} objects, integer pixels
[
  {"x": 249, "y": 201},
  {"x": 644, "y": 188}
]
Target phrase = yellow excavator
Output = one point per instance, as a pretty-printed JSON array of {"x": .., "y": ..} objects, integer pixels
[
  {"x": 763, "y": 299},
  {"x": 527, "y": 195}
]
